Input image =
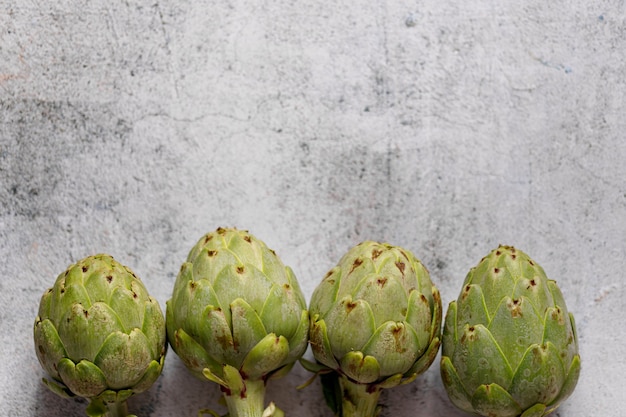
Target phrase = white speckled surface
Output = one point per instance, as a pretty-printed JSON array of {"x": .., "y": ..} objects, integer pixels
[{"x": 134, "y": 127}]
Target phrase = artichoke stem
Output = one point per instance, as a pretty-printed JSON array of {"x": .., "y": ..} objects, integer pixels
[
  {"x": 249, "y": 401},
  {"x": 117, "y": 409},
  {"x": 358, "y": 400}
]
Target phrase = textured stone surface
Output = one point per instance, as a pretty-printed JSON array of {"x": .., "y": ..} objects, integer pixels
[{"x": 134, "y": 127}]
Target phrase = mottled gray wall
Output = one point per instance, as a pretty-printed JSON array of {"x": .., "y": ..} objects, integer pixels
[{"x": 134, "y": 127}]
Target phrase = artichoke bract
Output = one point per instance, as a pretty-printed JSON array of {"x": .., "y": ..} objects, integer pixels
[
  {"x": 509, "y": 343},
  {"x": 99, "y": 335},
  {"x": 237, "y": 317},
  {"x": 375, "y": 323}
]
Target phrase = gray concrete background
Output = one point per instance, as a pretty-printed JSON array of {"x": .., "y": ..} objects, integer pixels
[{"x": 134, "y": 127}]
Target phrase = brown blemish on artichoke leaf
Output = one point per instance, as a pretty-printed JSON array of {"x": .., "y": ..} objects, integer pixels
[
  {"x": 356, "y": 264},
  {"x": 515, "y": 308}
]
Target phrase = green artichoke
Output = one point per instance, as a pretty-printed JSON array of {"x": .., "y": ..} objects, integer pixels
[
  {"x": 375, "y": 323},
  {"x": 509, "y": 343},
  {"x": 237, "y": 317},
  {"x": 99, "y": 335}
]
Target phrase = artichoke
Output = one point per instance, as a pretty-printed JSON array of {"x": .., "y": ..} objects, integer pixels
[
  {"x": 509, "y": 344},
  {"x": 99, "y": 335},
  {"x": 375, "y": 323},
  {"x": 237, "y": 317}
]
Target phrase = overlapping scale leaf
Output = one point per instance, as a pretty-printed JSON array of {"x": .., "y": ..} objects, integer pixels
[
  {"x": 215, "y": 335},
  {"x": 494, "y": 400},
  {"x": 350, "y": 325},
  {"x": 65, "y": 296},
  {"x": 124, "y": 358},
  {"x": 419, "y": 317},
  {"x": 380, "y": 291},
  {"x": 84, "y": 331},
  {"x": 242, "y": 281},
  {"x": 282, "y": 310},
  {"x": 360, "y": 367},
  {"x": 471, "y": 308},
  {"x": 128, "y": 307},
  {"x": 478, "y": 359},
  {"x": 539, "y": 377},
  {"x": 84, "y": 378},
  {"x": 353, "y": 270},
  {"x": 534, "y": 288},
  {"x": 298, "y": 342},
  {"x": 395, "y": 346},
  {"x": 559, "y": 331},
  {"x": 247, "y": 327},
  {"x": 264, "y": 357},
  {"x": 321, "y": 343},
  {"x": 192, "y": 301},
  {"x": 327, "y": 292},
  {"x": 515, "y": 326},
  {"x": 153, "y": 326},
  {"x": 248, "y": 251},
  {"x": 48, "y": 346},
  {"x": 417, "y": 272},
  {"x": 210, "y": 262}
]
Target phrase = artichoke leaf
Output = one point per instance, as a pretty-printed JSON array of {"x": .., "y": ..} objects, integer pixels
[
  {"x": 267, "y": 356},
  {"x": 83, "y": 331},
  {"x": 539, "y": 377},
  {"x": 124, "y": 358},
  {"x": 361, "y": 368},
  {"x": 242, "y": 281},
  {"x": 194, "y": 355},
  {"x": 325, "y": 294},
  {"x": 492, "y": 399},
  {"x": 559, "y": 331},
  {"x": 386, "y": 296},
  {"x": 58, "y": 388},
  {"x": 350, "y": 325},
  {"x": 515, "y": 326},
  {"x": 471, "y": 308},
  {"x": 395, "y": 346},
  {"x": 149, "y": 377},
  {"x": 395, "y": 380},
  {"x": 300, "y": 339},
  {"x": 84, "y": 379},
  {"x": 478, "y": 359},
  {"x": 210, "y": 261},
  {"x": 537, "y": 410},
  {"x": 454, "y": 385},
  {"x": 281, "y": 311},
  {"x": 214, "y": 335},
  {"x": 49, "y": 347},
  {"x": 423, "y": 363},
  {"x": 127, "y": 306},
  {"x": 420, "y": 317},
  {"x": 570, "y": 381},
  {"x": 153, "y": 326},
  {"x": 247, "y": 327},
  {"x": 321, "y": 345},
  {"x": 450, "y": 336}
]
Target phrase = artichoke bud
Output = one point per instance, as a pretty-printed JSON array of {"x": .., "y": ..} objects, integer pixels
[
  {"x": 376, "y": 321},
  {"x": 509, "y": 344},
  {"x": 236, "y": 307},
  {"x": 99, "y": 334}
]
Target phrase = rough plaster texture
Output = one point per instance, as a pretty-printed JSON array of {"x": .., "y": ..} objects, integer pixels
[{"x": 134, "y": 127}]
